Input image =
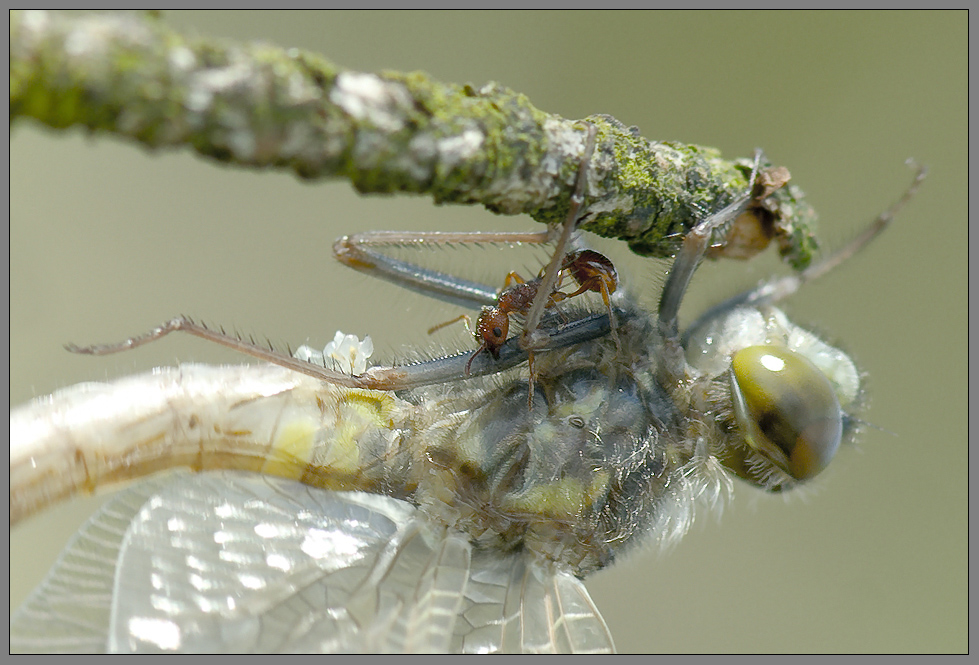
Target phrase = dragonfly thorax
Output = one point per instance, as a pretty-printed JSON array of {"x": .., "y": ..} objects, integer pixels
[
  {"x": 575, "y": 476},
  {"x": 609, "y": 453}
]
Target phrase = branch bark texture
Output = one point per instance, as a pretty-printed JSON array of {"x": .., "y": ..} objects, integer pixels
[{"x": 262, "y": 106}]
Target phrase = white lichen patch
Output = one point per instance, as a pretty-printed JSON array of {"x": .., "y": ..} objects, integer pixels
[
  {"x": 457, "y": 149},
  {"x": 298, "y": 135},
  {"x": 198, "y": 99},
  {"x": 205, "y": 85},
  {"x": 623, "y": 203},
  {"x": 300, "y": 91},
  {"x": 564, "y": 142},
  {"x": 368, "y": 98},
  {"x": 670, "y": 160},
  {"x": 182, "y": 59}
]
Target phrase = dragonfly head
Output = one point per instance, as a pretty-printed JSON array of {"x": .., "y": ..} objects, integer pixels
[
  {"x": 786, "y": 409},
  {"x": 785, "y": 394}
]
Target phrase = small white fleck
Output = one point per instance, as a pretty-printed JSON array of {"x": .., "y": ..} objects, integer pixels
[
  {"x": 198, "y": 100},
  {"x": 196, "y": 563},
  {"x": 457, "y": 149},
  {"x": 266, "y": 530},
  {"x": 772, "y": 363},
  {"x": 367, "y": 97},
  {"x": 251, "y": 581},
  {"x": 223, "y": 537},
  {"x": 224, "y": 511},
  {"x": 622, "y": 203},
  {"x": 298, "y": 135},
  {"x": 278, "y": 562},
  {"x": 200, "y": 582},
  {"x": 182, "y": 58},
  {"x": 162, "y": 633},
  {"x": 331, "y": 545},
  {"x": 298, "y": 90}
]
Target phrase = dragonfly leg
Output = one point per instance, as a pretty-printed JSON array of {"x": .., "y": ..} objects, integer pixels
[
  {"x": 530, "y": 381},
  {"x": 363, "y": 252},
  {"x": 773, "y": 290},
  {"x": 692, "y": 250},
  {"x": 219, "y": 336},
  {"x": 530, "y": 338}
]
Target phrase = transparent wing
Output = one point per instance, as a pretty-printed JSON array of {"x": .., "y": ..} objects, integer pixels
[
  {"x": 69, "y": 611},
  {"x": 238, "y": 562},
  {"x": 517, "y": 604}
]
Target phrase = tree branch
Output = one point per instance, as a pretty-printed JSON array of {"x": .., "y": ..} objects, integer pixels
[{"x": 263, "y": 106}]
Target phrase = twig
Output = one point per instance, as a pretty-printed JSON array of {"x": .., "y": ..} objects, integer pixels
[{"x": 262, "y": 106}]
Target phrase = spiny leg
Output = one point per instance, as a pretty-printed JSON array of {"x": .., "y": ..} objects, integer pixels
[
  {"x": 549, "y": 280},
  {"x": 777, "y": 289},
  {"x": 530, "y": 380},
  {"x": 249, "y": 347},
  {"x": 361, "y": 252},
  {"x": 695, "y": 244},
  {"x": 358, "y": 252},
  {"x": 437, "y": 371}
]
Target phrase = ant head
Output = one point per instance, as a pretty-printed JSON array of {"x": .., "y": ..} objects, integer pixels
[{"x": 492, "y": 328}]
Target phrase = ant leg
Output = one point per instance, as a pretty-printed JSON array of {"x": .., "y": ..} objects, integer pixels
[
  {"x": 594, "y": 272},
  {"x": 599, "y": 285},
  {"x": 529, "y": 337},
  {"x": 774, "y": 290},
  {"x": 462, "y": 317},
  {"x": 469, "y": 363},
  {"x": 511, "y": 279},
  {"x": 611, "y": 314}
]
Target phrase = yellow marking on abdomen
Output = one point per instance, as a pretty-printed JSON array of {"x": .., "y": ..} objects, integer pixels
[
  {"x": 292, "y": 450},
  {"x": 311, "y": 445}
]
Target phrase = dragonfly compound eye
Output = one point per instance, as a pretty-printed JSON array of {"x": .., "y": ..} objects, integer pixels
[{"x": 786, "y": 408}]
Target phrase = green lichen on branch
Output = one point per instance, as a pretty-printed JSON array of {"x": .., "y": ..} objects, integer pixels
[{"x": 261, "y": 106}]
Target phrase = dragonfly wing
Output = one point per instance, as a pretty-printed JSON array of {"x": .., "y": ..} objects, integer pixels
[
  {"x": 518, "y": 604},
  {"x": 236, "y": 562},
  {"x": 69, "y": 611},
  {"x": 232, "y": 562},
  {"x": 239, "y": 562}
]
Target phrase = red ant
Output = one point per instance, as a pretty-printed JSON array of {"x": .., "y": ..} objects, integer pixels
[{"x": 592, "y": 272}]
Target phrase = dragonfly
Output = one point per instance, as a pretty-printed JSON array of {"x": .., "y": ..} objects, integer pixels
[{"x": 424, "y": 507}]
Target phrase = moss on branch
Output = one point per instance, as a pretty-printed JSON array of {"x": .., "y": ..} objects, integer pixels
[{"x": 262, "y": 106}]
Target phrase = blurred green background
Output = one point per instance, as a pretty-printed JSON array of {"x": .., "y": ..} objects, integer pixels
[{"x": 108, "y": 240}]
